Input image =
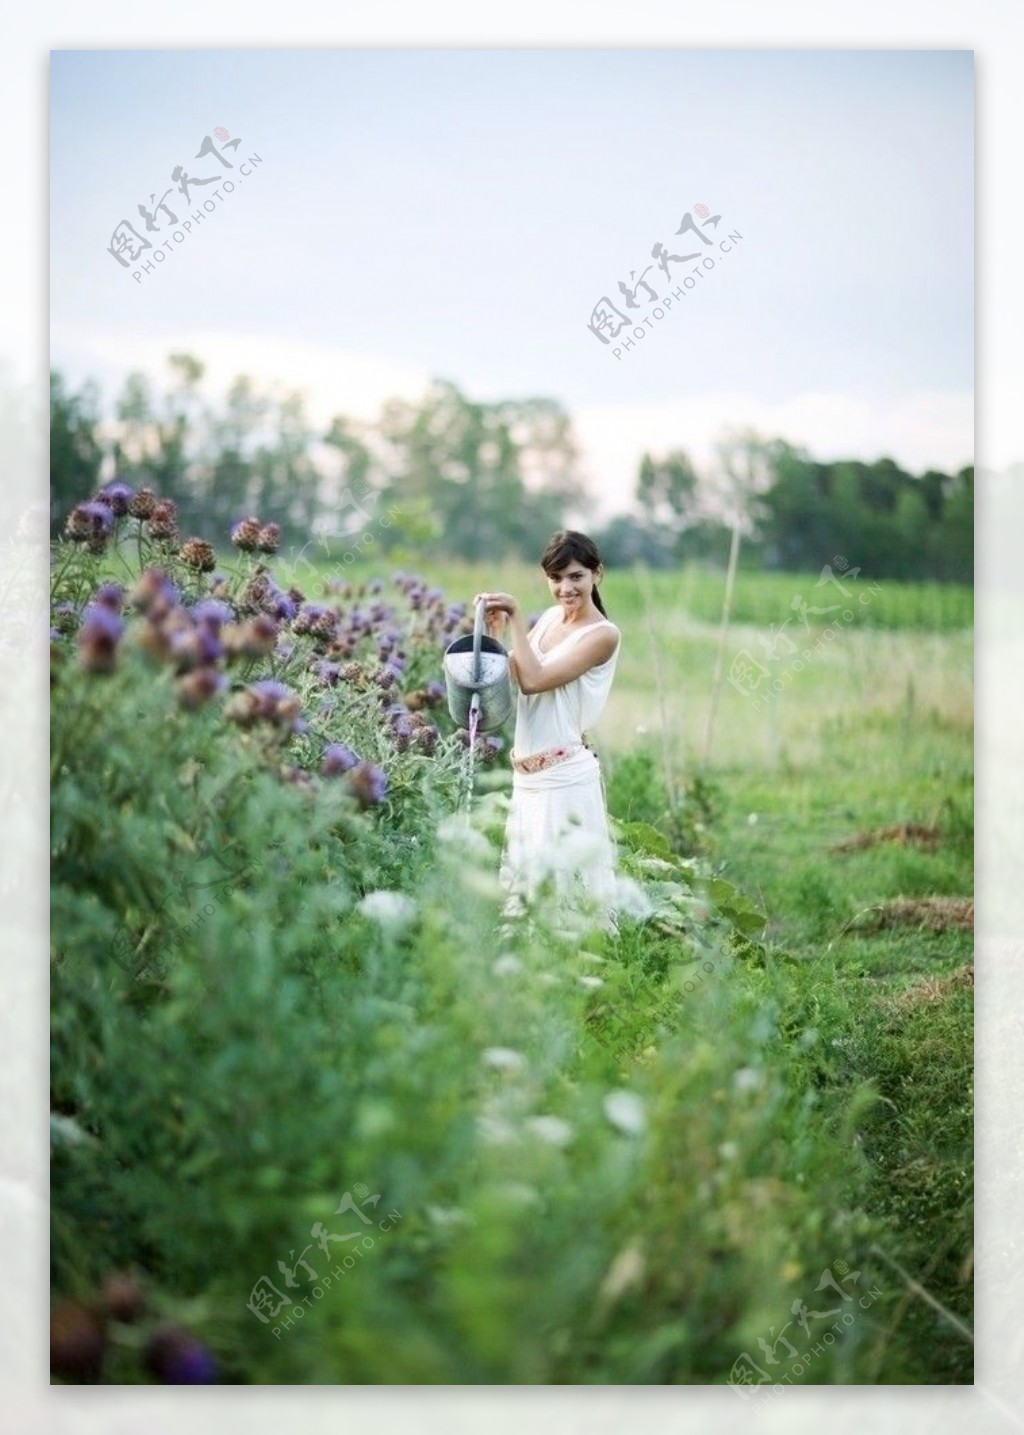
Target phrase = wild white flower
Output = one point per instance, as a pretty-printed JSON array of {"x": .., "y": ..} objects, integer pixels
[
  {"x": 626, "y": 1270},
  {"x": 495, "y": 1130},
  {"x": 390, "y": 909},
  {"x": 728, "y": 1150},
  {"x": 551, "y": 1129},
  {"x": 520, "y": 1193},
  {"x": 752, "y": 818},
  {"x": 591, "y": 981},
  {"x": 66, "y": 1128},
  {"x": 456, "y": 833},
  {"x": 446, "y": 1215},
  {"x": 747, "y": 1079},
  {"x": 631, "y": 900},
  {"x": 625, "y": 1110},
  {"x": 506, "y": 964},
  {"x": 503, "y": 1057}
]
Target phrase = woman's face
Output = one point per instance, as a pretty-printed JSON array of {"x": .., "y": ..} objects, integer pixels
[{"x": 572, "y": 586}]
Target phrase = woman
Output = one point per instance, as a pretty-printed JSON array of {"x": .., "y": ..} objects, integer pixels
[{"x": 563, "y": 668}]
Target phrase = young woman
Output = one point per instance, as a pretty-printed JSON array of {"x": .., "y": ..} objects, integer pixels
[{"x": 563, "y": 668}]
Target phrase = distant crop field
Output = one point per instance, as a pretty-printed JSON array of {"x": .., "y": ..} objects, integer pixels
[{"x": 905, "y": 648}]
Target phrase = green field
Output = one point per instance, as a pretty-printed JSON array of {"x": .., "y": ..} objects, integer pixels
[{"x": 621, "y": 1161}]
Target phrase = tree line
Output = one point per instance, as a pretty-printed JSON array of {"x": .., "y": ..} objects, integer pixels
[{"x": 498, "y": 478}]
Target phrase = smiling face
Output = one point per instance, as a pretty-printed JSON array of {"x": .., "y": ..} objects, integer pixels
[{"x": 572, "y": 587}]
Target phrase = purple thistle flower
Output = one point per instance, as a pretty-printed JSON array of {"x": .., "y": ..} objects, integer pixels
[
  {"x": 89, "y": 522},
  {"x": 176, "y": 1357},
  {"x": 208, "y": 644},
  {"x": 384, "y": 678},
  {"x": 269, "y": 701},
  {"x": 154, "y": 590},
  {"x": 280, "y": 605},
  {"x": 109, "y": 595},
  {"x": 402, "y": 730},
  {"x": 368, "y": 784},
  {"x": 338, "y": 758},
  {"x": 328, "y": 673},
  {"x": 102, "y": 619},
  {"x": 117, "y": 495},
  {"x": 436, "y": 692},
  {"x": 270, "y": 690},
  {"x": 213, "y": 612},
  {"x": 98, "y": 638},
  {"x": 318, "y": 619}
]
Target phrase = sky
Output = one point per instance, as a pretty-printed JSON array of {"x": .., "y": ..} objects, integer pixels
[{"x": 427, "y": 213}]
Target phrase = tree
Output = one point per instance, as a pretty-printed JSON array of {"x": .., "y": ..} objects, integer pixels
[
  {"x": 76, "y": 454},
  {"x": 497, "y": 477},
  {"x": 666, "y": 492}
]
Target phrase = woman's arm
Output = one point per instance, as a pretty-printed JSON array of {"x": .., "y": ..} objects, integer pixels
[
  {"x": 592, "y": 649},
  {"x": 533, "y": 676}
]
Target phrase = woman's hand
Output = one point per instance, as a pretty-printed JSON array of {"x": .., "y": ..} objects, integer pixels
[{"x": 498, "y": 608}]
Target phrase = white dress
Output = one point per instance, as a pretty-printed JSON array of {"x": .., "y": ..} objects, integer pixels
[{"x": 557, "y": 828}]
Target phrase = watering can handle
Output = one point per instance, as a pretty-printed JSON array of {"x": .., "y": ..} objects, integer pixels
[{"x": 478, "y": 632}]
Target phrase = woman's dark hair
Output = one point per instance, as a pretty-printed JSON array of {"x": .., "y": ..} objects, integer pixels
[{"x": 567, "y": 546}]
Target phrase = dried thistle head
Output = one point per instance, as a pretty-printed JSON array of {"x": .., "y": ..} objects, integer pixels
[
  {"x": 142, "y": 504},
  {"x": 269, "y": 537},
  {"x": 89, "y": 522},
  {"x": 197, "y": 553},
  {"x": 198, "y": 687},
  {"x": 246, "y": 535},
  {"x": 163, "y": 522}
]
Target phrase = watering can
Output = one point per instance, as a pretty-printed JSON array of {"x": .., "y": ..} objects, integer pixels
[{"x": 477, "y": 677}]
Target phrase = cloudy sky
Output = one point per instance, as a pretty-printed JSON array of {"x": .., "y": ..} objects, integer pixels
[{"x": 408, "y": 214}]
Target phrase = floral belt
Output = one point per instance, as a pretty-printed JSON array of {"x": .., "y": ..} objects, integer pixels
[{"x": 538, "y": 761}]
